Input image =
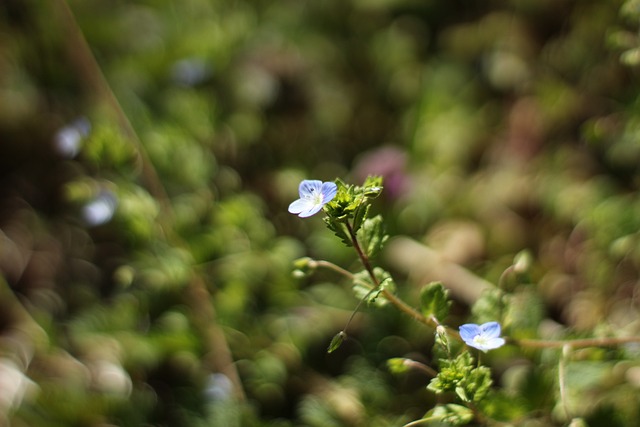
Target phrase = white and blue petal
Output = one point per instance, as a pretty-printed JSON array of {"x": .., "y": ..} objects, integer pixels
[
  {"x": 329, "y": 190},
  {"x": 314, "y": 194},
  {"x": 469, "y": 331},
  {"x": 490, "y": 329},
  {"x": 483, "y": 337},
  {"x": 310, "y": 188}
]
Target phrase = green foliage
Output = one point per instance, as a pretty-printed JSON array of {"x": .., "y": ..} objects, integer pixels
[
  {"x": 503, "y": 407},
  {"x": 489, "y": 306},
  {"x": 451, "y": 414},
  {"x": 398, "y": 365},
  {"x": 459, "y": 375},
  {"x": 434, "y": 301},
  {"x": 205, "y": 116},
  {"x": 108, "y": 149},
  {"x": 372, "y": 236},
  {"x": 348, "y": 212},
  {"x": 365, "y": 289}
]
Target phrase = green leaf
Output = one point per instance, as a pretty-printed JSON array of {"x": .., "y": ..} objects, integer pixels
[
  {"x": 477, "y": 384},
  {"x": 372, "y": 236},
  {"x": 504, "y": 406},
  {"x": 490, "y": 306},
  {"x": 343, "y": 204},
  {"x": 372, "y": 187},
  {"x": 339, "y": 229},
  {"x": 337, "y": 341},
  {"x": 398, "y": 365},
  {"x": 469, "y": 383},
  {"x": 524, "y": 312},
  {"x": 462, "y": 394},
  {"x": 364, "y": 288},
  {"x": 452, "y": 373},
  {"x": 359, "y": 217},
  {"x": 434, "y": 301},
  {"x": 451, "y": 414},
  {"x": 442, "y": 339}
]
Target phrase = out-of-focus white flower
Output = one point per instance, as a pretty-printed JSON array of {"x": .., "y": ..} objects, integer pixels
[
  {"x": 101, "y": 209},
  {"x": 68, "y": 140},
  {"x": 110, "y": 377},
  {"x": 14, "y": 384},
  {"x": 218, "y": 387}
]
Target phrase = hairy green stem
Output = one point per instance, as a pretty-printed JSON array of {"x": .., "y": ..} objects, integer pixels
[
  {"x": 363, "y": 257},
  {"x": 530, "y": 343},
  {"x": 397, "y": 302}
]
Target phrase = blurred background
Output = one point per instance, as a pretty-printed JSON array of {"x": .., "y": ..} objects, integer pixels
[{"x": 149, "y": 150}]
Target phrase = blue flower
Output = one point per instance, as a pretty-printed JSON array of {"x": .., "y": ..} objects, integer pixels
[
  {"x": 101, "y": 209},
  {"x": 483, "y": 337},
  {"x": 68, "y": 140},
  {"x": 314, "y": 195}
]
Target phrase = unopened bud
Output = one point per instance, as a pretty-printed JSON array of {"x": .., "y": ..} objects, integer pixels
[{"x": 522, "y": 262}]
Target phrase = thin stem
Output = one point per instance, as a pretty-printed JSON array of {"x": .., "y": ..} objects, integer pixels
[
  {"x": 397, "y": 302},
  {"x": 562, "y": 380},
  {"x": 362, "y": 300},
  {"x": 530, "y": 343},
  {"x": 363, "y": 257}
]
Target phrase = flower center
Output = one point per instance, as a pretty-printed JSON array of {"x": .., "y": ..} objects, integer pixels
[
  {"x": 480, "y": 340},
  {"x": 316, "y": 198}
]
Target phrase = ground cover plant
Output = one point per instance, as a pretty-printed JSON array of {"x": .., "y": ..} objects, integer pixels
[{"x": 319, "y": 213}]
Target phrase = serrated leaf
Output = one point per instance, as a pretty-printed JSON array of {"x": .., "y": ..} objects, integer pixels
[
  {"x": 451, "y": 414},
  {"x": 372, "y": 236},
  {"x": 364, "y": 288},
  {"x": 359, "y": 217},
  {"x": 453, "y": 373},
  {"x": 337, "y": 341},
  {"x": 372, "y": 187},
  {"x": 477, "y": 384},
  {"x": 338, "y": 228},
  {"x": 434, "y": 301}
]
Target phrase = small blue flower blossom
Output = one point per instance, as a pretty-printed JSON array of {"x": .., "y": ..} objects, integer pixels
[
  {"x": 314, "y": 195},
  {"x": 483, "y": 337},
  {"x": 101, "y": 209},
  {"x": 68, "y": 140}
]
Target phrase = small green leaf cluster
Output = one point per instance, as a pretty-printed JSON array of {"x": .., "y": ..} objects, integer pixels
[
  {"x": 459, "y": 375},
  {"x": 351, "y": 206}
]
